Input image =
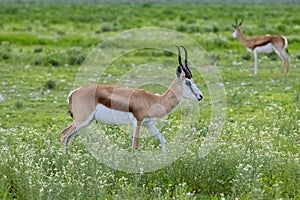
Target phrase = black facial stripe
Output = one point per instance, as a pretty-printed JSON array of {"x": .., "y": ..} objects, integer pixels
[
  {"x": 193, "y": 91},
  {"x": 188, "y": 83}
]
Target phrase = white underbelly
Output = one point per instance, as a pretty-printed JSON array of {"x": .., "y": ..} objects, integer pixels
[
  {"x": 268, "y": 48},
  {"x": 110, "y": 116}
]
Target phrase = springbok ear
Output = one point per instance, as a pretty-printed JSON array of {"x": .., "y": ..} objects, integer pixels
[{"x": 180, "y": 73}]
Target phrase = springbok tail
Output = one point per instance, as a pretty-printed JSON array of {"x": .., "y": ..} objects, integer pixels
[
  {"x": 285, "y": 42},
  {"x": 285, "y": 50}
]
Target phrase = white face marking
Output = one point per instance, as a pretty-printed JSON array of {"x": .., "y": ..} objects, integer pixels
[
  {"x": 268, "y": 48},
  {"x": 110, "y": 116},
  {"x": 234, "y": 34},
  {"x": 191, "y": 91}
]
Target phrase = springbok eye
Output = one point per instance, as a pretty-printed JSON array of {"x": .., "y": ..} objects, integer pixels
[{"x": 188, "y": 83}]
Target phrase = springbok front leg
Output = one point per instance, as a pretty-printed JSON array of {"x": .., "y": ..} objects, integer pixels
[
  {"x": 152, "y": 129},
  {"x": 136, "y": 133},
  {"x": 255, "y": 62}
]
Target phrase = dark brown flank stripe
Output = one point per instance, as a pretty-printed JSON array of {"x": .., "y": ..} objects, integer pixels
[{"x": 261, "y": 44}]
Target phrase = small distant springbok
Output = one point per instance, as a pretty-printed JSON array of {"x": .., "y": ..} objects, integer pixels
[
  {"x": 263, "y": 44},
  {"x": 111, "y": 104}
]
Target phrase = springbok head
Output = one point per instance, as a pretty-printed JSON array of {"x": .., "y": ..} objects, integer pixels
[
  {"x": 185, "y": 77},
  {"x": 237, "y": 27}
]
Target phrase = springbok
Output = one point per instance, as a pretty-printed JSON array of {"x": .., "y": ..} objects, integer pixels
[
  {"x": 263, "y": 44},
  {"x": 111, "y": 104}
]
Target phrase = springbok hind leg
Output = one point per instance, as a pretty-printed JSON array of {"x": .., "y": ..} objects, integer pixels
[
  {"x": 65, "y": 133},
  {"x": 286, "y": 60},
  {"x": 74, "y": 129}
]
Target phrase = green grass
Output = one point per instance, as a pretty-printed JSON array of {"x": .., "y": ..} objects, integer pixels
[{"x": 41, "y": 49}]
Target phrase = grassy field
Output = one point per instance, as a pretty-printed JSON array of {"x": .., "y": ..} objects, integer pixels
[{"x": 42, "y": 47}]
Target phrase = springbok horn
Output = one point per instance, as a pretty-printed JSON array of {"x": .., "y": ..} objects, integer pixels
[
  {"x": 189, "y": 75},
  {"x": 179, "y": 56},
  {"x": 235, "y": 23},
  {"x": 241, "y": 22}
]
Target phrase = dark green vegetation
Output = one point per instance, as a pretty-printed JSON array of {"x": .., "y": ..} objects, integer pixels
[{"x": 41, "y": 49}]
